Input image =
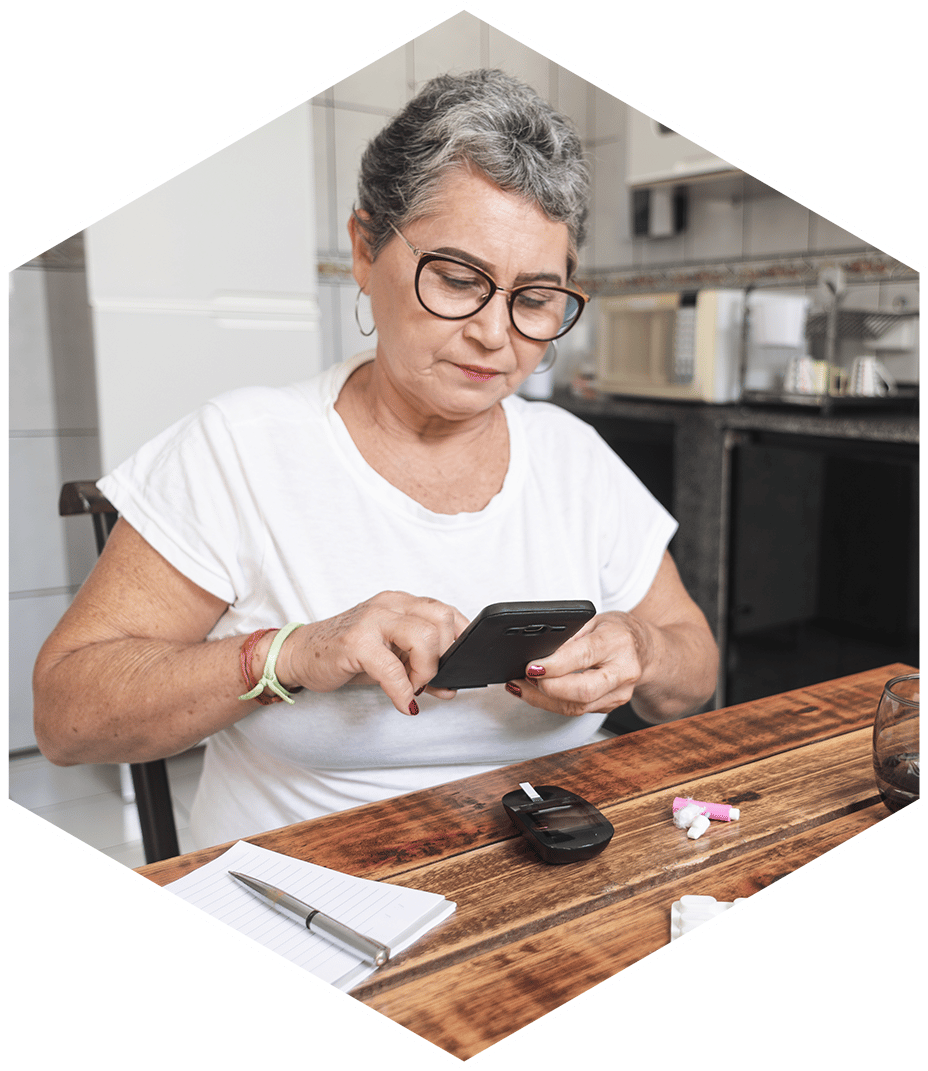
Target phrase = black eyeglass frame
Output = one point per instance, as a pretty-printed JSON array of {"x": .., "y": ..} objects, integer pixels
[{"x": 426, "y": 257}]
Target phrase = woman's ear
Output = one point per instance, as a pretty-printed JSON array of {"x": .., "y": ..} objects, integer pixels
[{"x": 361, "y": 258}]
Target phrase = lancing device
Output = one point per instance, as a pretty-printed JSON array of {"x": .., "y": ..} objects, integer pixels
[
  {"x": 317, "y": 922},
  {"x": 718, "y": 812}
]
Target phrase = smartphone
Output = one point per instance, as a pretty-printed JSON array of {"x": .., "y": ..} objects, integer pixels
[{"x": 504, "y": 637}]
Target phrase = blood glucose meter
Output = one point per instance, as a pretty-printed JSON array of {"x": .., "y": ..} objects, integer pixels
[{"x": 560, "y": 826}]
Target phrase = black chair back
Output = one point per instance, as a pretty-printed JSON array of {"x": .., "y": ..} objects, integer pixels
[{"x": 150, "y": 779}]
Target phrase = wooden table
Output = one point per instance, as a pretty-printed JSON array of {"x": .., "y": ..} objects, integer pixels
[{"x": 797, "y": 764}]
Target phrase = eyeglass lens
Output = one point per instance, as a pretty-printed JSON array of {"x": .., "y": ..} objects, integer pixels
[{"x": 454, "y": 291}]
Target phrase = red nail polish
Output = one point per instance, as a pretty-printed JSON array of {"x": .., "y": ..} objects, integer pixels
[
  {"x": 421, "y": 690},
  {"x": 514, "y": 689},
  {"x": 413, "y": 707},
  {"x": 535, "y": 671}
]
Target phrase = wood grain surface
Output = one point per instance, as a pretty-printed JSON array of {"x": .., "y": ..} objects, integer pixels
[{"x": 797, "y": 764}]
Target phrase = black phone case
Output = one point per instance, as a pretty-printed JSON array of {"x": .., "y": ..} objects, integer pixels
[{"x": 504, "y": 637}]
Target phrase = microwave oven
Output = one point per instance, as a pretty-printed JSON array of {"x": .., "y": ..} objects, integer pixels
[{"x": 684, "y": 346}]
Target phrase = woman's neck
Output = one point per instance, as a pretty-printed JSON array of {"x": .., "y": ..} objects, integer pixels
[
  {"x": 369, "y": 397},
  {"x": 448, "y": 466}
]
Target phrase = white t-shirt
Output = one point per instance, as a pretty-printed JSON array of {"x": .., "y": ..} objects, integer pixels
[{"x": 262, "y": 498}]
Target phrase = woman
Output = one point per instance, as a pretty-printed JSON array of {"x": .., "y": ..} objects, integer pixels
[{"x": 382, "y": 504}]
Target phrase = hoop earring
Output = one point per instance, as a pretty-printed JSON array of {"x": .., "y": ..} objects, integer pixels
[
  {"x": 357, "y": 318},
  {"x": 547, "y": 362}
]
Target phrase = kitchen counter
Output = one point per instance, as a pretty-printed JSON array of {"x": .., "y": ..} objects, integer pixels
[
  {"x": 699, "y": 441},
  {"x": 869, "y": 425}
]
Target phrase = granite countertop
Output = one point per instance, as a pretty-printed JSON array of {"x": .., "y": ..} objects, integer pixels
[{"x": 866, "y": 423}]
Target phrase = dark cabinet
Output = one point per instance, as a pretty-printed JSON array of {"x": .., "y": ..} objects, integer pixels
[
  {"x": 823, "y": 565},
  {"x": 798, "y": 532},
  {"x": 776, "y": 518}
]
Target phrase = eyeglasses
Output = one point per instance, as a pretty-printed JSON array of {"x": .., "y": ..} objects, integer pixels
[{"x": 453, "y": 290}]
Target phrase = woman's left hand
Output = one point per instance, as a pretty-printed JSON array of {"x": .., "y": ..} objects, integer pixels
[
  {"x": 660, "y": 656},
  {"x": 594, "y": 671}
]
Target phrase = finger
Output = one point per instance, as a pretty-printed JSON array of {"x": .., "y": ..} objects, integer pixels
[
  {"x": 592, "y": 677},
  {"x": 577, "y": 653},
  {"x": 409, "y": 645},
  {"x": 609, "y": 642},
  {"x": 530, "y": 694},
  {"x": 592, "y": 691},
  {"x": 424, "y": 665},
  {"x": 383, "y": 668},
  {"x": 443, "y": 615},
  {"x": 439, "y": 693},
  {"x": 424, "y": 644}
]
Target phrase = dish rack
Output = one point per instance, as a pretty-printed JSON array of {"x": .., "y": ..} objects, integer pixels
[{"x": 857, "y": 324}]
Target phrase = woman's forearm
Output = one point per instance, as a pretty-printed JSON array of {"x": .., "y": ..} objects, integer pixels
[
  {"x": 127, "y": 698},
  {"x": 133, "y": 700}
]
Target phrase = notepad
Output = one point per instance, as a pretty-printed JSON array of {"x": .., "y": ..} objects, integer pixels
[{"x": 391, "y": 914}]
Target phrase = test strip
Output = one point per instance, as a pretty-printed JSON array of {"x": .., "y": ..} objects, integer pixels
[{"x": 529, "y": 791}]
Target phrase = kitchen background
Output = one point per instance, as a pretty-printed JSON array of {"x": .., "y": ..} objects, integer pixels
[{"x": 237, "y": 271}]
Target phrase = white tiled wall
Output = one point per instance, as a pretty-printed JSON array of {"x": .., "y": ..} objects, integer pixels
[
  {"x": 728, "y": 218},
  {"x": 53, "y": 438},
  {"x": 350, "y": 113},
  {"x": 52, "y": 407}
]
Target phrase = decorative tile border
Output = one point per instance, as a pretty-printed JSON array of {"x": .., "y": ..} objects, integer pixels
[{"x": 861, "y": 266}]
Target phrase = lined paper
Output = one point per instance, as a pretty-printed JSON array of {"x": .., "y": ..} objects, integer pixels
[{"x": 391, "y": 914}]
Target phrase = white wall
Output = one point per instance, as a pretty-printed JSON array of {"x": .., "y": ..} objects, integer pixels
[
  {"x": 735, "y": 218},
  {"x": 348, "y": 114},
  {"x": 205, "y": 284},
  {"x": 53, "y": 439}
]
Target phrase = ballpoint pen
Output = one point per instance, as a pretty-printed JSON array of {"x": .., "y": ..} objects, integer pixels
[{"x": 317, "y": 922}]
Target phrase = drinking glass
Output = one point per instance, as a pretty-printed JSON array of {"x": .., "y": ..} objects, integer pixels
[{"x": 895, "y": 742}]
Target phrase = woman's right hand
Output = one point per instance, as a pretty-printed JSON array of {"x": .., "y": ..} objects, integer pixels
[{"x": 393, "y": 639}]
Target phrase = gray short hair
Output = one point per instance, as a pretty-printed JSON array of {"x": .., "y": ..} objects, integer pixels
[{"x": 486, "y": 120}]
